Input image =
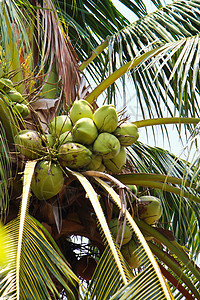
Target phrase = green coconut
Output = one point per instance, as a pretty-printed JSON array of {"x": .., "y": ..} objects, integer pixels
[
  {"x": 116, "y": 163},
  {"x": 133, "y": 188},
  {"x": 21, "y": 109},
  {"x": 74, "y": 155},
  {"x": 28, "y": 143},
  {"x": 101, "y": 168},
  {"x": 65, "y": 137},
  {"x": 96, "y": 161},
  {"x": 15, "y": 96},
  {"x": 106, "y": 145},
  {"x": 129, "y": 253},
  {"x": 106, "y": 118},
  {"x": 84, "y": 131},
  {"x": 127, "y": 133},
  {"x": 80, "y": 109},
  {"x": 49, "y": 140},
  {"x": 114, "y": 229},
  {"x": 149, "y": 209},
  {"x": 47, "y": 180},
  {"x": 6, "y": 83},
  {"x": 60, "y": 124}
]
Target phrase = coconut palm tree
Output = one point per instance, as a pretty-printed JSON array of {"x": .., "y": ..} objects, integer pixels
[{"x": 46, "y": 54}]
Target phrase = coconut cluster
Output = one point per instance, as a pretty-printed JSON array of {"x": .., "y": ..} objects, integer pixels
[
  {"x": 15, "y": 98},
  {"x": 92, "y": 141},
  {"x": 81, "y": 140},
  {"x": 148, "y": 209},
  {"x": 125, "y": 237}
]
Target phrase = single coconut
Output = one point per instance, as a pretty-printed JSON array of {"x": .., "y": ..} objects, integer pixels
[
  {"x": 106, "y": 118},
  {"x": 28, "y": 143},
  {"x": 133, "y": 188},
  {"x": 49, "y": 140},
  {"x": 47, "y": 180},
  {"x": 101, "y": 168},
  {"x": 15, "y": 96},
  {"x": 149, "y": 209},
  {"x": 65, "y": 137},
  {"x": 84, "y": 131},
  {"x": 96, "y": 161},
  {"x": 114, "y": 229},
  {"x": 116, "y": 163},
  {"x": 6, "y": 83},
  {"x": 21, "y": 109},
  {"x": 106, "y": 145},
  {"x": 60, "y": 124},
  {"x": 86, "y": 266},
  {"x": 129, "y": 253},
  {"x": 80, "y": 109},
  {"x": 127, "y": 133},
  {"x": 74, "y": 155}
]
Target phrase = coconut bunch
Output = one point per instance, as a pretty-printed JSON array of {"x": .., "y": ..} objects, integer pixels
[
  {"x": 15, "y": 99},
  {"x": 83, "y": 139},
  {"x": 148, "y": 209},
  {"x": 92, "y": 140},
  {"x": 124, "y": 237}
]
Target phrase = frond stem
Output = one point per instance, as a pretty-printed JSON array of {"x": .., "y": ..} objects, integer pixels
[
  {"x": 94, "y": 54},
  {"x": 161, "y": 121},
  {"x": 117, "y": 74}
]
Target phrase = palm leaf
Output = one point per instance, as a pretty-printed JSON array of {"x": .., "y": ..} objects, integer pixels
[
  {"x": 101, "y": 218},
  {"x": 169, "y": 75},
  {"x": 5, "y": 174},
  {"x": 178, "y": 211},
  {"x": 14, "y": 40},
  {"x": 59, "y": 51},
  {"x": 179, "y": 271},
  {"x": 107, "y": 279},
  {"x": 33, "y": 259},
  {"x": 170, "y": 72},
  {"x": 144, "y": 254},
  {"x": 180, "y": 254},
  {"x": 143, "y": 286}
]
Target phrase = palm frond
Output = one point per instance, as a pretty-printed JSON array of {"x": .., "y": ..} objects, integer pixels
[
  {"x": 101, "y": 218},
  {"x": 39, "y": 263},
  {"x": 61, "y": 52},
  {"x": 177, "y": 270},
  {"x": 5, "y": 174},
  {"x": 33, "y": 258},
  {"x": 106, "y": 279},
  {"x": 178, "y": 210},
  {"x": 15, "y": 41},
  {"x": 144, "y": 254},
  {"x": 170, "y": 78}
]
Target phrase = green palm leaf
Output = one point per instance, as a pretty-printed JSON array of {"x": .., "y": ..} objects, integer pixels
[
  {"x": 144, "y": 253},
  {"x": 5, "y": 174},
  {"x": 14, "y": 40},
  {"x": 101, "y": 218},
  {"x": 178, "y": 211},
  {"x": 33, "y": 261},
  {"x": 106, "y": 279}
]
